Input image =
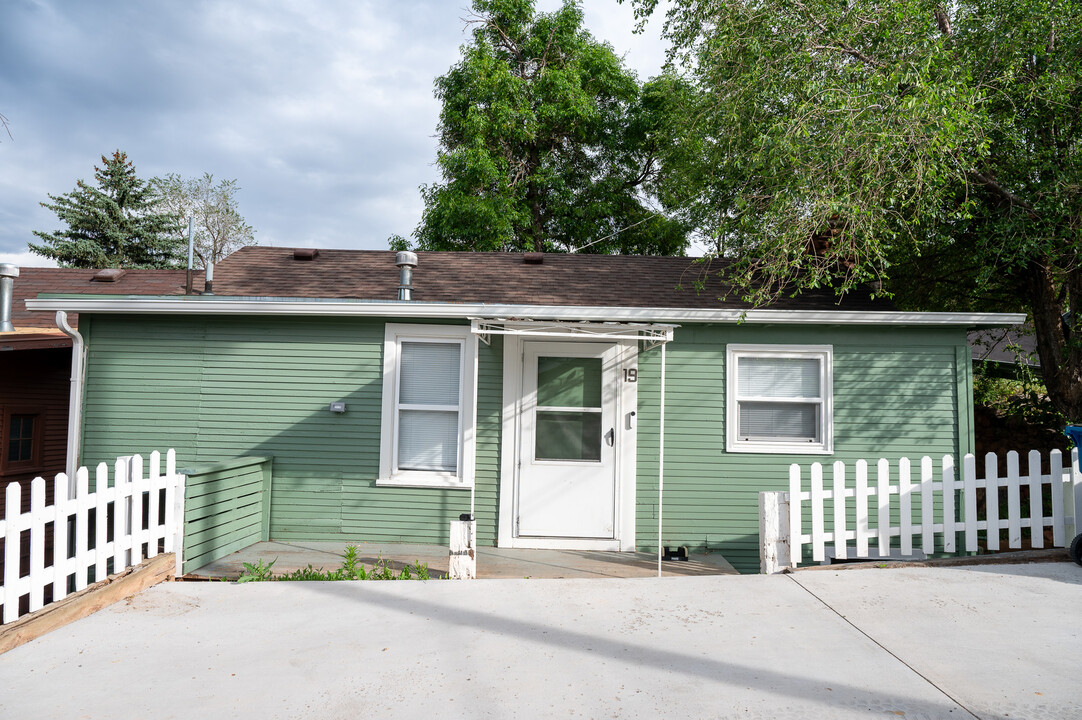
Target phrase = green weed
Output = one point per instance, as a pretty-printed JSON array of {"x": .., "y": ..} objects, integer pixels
[{"x": 350, "y": 569}]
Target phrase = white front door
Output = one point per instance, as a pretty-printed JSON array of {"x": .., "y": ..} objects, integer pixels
[{"x": 568, "y": 441}]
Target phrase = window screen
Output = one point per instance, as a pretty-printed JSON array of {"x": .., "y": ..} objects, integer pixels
[{"x": 429, "y": 405}]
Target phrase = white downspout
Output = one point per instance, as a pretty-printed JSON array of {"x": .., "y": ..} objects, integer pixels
[
  {"x": 661, "y": 463},
  {"x": 75, "y": 399}
]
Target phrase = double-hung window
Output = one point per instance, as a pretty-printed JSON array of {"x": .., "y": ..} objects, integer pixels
[
  {"x": 779, "y": 399},
  {"x": 426, "y": 438}
]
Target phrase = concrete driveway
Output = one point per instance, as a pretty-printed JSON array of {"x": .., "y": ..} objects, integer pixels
[{"x": 984, "y": 641}]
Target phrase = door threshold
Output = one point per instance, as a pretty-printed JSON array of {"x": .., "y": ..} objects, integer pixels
[{"x": 540, "y": 543}]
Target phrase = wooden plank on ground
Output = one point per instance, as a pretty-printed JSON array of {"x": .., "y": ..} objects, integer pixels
[{"x": 86, "y": 602}]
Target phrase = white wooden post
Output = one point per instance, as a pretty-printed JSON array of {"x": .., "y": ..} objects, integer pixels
[
  {"x": 841, "y": 551},
  {"x": 1036, "y": 501},
  {"x": 135, "y": 476},
  {"x": 1055, "y": 469},
  {"x": 37, "y": 543},
  {"x": 1014, "y": 502},
  {"x": 61, "y": 493},
  {"x": 1076, "y": 493},
  {"x": 969, "y": 500},
  {"x": 13, "y": 499},
  {"x": 462, "y": 561},
  {"x": 950, "y": 525},
  {"x": 861, "y": 493},
  {"x": 796, "y": 521},
  {"x": 991, "y": 499},
  {"x": 121, "y": 512},
  {"x": 882, "y": 491},
  {"x": 774, "y": 547},
  {"x": 83, "y": 500},
  {"x": 818, "y": 499},
  {"x": 905, "y": 504},
  {"x": 175, "y": 530},
  {"x": 927, "y": 506},
  {"x": 102, "y": 493},
  {"x": 154, "y": 482}
]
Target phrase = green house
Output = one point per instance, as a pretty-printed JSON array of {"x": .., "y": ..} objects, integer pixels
[{"x": 552, "y": 396}]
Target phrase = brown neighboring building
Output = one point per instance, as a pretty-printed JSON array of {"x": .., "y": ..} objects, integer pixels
[{"x": 35, "y": 368}]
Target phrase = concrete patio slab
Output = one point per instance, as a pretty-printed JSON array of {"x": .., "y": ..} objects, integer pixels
[
  {"x": 491, "y": 562},
  {"x": 868, "y": 644},
  {"x": 1004, "y": 639}
]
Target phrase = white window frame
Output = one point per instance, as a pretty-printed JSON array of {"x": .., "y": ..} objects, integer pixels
[
  {"x": 389, "y": 474},
  {"x": 825, "y": 402}
]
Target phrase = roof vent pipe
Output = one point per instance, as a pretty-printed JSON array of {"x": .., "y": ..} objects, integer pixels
[
  {"x": 406, "y": 261},
  {"x": 8, "y": 273}
]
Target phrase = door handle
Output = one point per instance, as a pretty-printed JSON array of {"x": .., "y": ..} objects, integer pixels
[{"x": 610, "y": 437}]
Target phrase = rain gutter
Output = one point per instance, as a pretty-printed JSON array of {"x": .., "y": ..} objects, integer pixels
[{"x": 219, "y": 305}]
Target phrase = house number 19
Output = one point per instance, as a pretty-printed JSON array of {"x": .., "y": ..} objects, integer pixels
[{"x": 631, "y": 375}]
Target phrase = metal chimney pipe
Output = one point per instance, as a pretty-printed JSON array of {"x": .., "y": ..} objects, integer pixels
[
  {"x": 406, "y": 261},
  {"x": 8, "y": 273}
]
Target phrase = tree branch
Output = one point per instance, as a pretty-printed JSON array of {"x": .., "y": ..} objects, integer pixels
[
  {"x": 1003, "y": 192},
  {"x": 838, "y": 45}
]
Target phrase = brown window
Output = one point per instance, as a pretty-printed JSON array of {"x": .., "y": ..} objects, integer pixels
[{"x": 20, "y": 440}]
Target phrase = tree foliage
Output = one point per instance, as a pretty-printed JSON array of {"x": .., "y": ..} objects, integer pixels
[
  {"x": 115, "y": 224},
  {"x": 934, "y": 145},
  {"x": 546, "y": 142},
  {"x": 218, "y": 227}
]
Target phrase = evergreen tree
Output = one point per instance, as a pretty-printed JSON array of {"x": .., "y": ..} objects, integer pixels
[{"x": 112, "y": 225}]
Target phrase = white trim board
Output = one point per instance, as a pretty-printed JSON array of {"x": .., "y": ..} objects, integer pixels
[{"x": 219, "y": 305}]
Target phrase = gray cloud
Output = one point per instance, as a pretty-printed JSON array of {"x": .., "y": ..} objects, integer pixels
[{"x": 322, "y": 111}]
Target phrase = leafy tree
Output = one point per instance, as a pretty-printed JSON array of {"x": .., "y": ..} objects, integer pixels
[
  {"x": 218, "y": 228},
  {"x": 936, "y": 146},
  {"x": 546, "y": 142},
  {"x": 112, "y": 225}
]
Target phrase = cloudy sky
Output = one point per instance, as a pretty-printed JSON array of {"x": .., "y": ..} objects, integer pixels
[{"x": 322, "y": 110}]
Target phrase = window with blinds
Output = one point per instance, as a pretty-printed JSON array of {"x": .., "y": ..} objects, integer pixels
[
  {"x": 779, "y": 399},
  {"x": 429, "y": 405},
  {"x": 427, "y": 400}
]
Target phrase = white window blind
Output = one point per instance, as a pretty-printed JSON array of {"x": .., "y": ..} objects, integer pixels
[
  {"x": 778, "y": 421},
  {"x": 429, "y": 405},
  {"x": 430, "y": 373},
  {"x": 780, "y": 377}
]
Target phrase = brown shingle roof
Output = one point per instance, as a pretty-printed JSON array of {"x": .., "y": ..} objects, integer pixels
[
  {"x": 597, "y": 280},
  {"x": 493, "y": 278},
  {"x": 32, "y": 281}
]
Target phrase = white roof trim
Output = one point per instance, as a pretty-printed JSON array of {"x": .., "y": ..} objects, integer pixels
[{"x": 216, "y": 305}]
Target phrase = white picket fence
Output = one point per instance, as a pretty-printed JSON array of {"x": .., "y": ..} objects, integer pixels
[
  {"x": 69, "y": 516},
  {"x": 924, "y": 508}
]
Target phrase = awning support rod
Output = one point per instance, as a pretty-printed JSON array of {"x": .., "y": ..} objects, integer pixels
[{"x": 661, "y": 465}]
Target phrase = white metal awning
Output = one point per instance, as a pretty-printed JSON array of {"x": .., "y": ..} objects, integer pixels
[{"x": 650, "y": 334}]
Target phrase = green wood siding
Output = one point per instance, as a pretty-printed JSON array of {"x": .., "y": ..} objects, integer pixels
[
  {"x": 226, "y": 508},
  {"x": 897, "y": 392},
  {"x": 221, "y": 388}
]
